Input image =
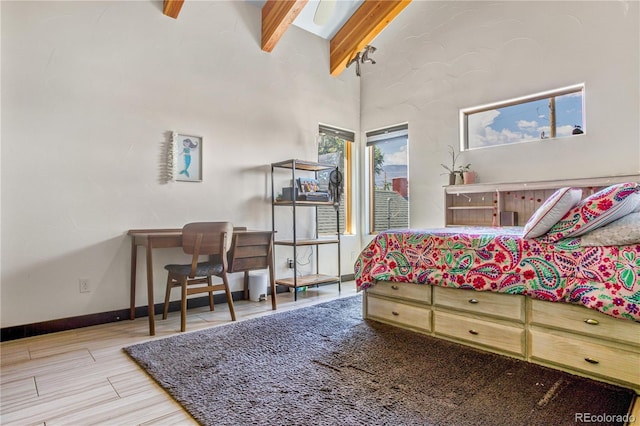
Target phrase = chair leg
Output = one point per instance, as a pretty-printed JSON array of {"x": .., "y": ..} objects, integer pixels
[
  {"x": 210, "y": 284},
  {"x": 183, "y": 305},
  {"x": 227, "y": 290},
  {"x": 167, "y": 296}
]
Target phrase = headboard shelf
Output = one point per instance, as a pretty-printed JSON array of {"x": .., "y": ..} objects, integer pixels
[{"x": 482, "y": 204}]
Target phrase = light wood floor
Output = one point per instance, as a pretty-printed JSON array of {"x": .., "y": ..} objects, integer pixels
[{"x": 82, "y": 377}]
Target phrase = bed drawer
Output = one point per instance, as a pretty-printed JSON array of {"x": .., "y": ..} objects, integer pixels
[
  {"x": 497, "y": 336},
  {"x": 578, "y": 319},
  {"x": 420, "y": 293},
  {"x": 412, "y": 316},
  {"x": 499, "y": 305},
  {"x": 589, "y": 357}
]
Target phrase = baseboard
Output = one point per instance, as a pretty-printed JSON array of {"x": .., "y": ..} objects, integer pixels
[
  {"x": 54, "y": 326},
  {"x": 350, "y": 277}
]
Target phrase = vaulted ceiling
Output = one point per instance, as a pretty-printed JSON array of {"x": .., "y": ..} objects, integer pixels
[{"x": 359, "y": 30}]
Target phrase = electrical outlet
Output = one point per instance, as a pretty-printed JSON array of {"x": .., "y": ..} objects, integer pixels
[
  {"x": 85, "y": 286},
  {"x": 290, "y": 263}
]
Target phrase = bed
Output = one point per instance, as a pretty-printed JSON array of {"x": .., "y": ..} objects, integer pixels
[
  {"x": 566, "y": 299},
  {"x": 603, "y": 278}
]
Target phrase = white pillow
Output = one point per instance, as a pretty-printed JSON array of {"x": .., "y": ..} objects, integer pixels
[
  {"x": 622, "y": 232},
  {"x": 551, "y": 211}
]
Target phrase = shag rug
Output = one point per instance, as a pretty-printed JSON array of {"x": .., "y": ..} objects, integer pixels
[{"x": 325, "y": 365}]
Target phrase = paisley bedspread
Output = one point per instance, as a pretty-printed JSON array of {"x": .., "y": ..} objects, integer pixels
[{"x": 605, "y": 278}]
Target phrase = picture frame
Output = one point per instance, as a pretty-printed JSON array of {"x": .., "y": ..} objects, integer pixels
[{"x": 187, "y": 157}]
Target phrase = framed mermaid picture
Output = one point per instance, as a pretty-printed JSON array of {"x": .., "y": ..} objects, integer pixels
[{"x": 187, "y": 158}]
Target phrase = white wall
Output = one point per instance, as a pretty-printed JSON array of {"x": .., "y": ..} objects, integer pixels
[
  {"x": 91, "y": 90},
  {"x": 90, "y": 94},
  {"x": 443, "y": 56}
]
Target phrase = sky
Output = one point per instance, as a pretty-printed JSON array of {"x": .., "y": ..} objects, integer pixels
[
  {"x": 394, "y": 150},
  {"x": 525, "y": 121},
  {"x": 395, "y": 155}
]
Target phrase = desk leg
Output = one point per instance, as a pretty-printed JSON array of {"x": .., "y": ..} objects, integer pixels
[
  {"x": 272, "y": 283},
  {"x": 134, "y": 259},
  {"x": 246, "y": 285},
  {"x": 272, "y": 275},
  {"x": 151, "y": 308}
]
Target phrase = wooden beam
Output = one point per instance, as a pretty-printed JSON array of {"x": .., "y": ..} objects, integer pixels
[
  {"x": 172, "y": 8},
  {"x": 277, "y": 16},
  {"x": 365, "y": 24}
]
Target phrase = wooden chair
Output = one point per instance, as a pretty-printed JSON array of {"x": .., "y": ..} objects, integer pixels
[
  {"x": 211, "y": 239},
  {"x": 251, "y": 251}
]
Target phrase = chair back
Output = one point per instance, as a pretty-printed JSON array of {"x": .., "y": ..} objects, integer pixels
[
  {"x": 207, "y": 238},
  {"x": 250, "y": 250}
]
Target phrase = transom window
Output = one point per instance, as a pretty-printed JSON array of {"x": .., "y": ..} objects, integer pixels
[{"x": 550, "y": 115}]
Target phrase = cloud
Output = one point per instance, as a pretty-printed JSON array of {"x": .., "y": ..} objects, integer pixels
[
  {"x": 527, "y": 125},
  {"x": 564, "y": 131},
  {"x": 561, "y": 131},
  {"x": 488, "y": 137},
  {"x": 396, "y": 158},
  {"x": 482, "y": 134}
]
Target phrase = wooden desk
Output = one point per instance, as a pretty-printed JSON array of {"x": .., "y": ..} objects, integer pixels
[
  {"x": 154, "y": 239},
  {"x": 150, "y": 239}
]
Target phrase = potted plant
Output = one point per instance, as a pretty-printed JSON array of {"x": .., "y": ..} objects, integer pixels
[
  {"x": 455, "y": 173},
  {"x": 468, "y": 176}
]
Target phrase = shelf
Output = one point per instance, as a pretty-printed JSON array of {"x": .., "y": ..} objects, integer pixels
[
  {"x": 313, "y": 277},
  {"x": 473, "y": 224},
  {"x": 471, "y": 207},
  {"x": 537, "y": 185},
  {"x": 302, "y": 165},
  {"x": 467, "y": 205},
  {"x": 309, "y": 242},
  {"x": 307, "y": 280},
  {"x": 304, "y": 203}
]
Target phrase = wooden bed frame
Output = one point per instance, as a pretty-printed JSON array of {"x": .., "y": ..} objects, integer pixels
[{"x": 563, "y": 336}]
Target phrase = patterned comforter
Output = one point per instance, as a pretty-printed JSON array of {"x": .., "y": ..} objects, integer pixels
[{"x": 604, "y": 278}]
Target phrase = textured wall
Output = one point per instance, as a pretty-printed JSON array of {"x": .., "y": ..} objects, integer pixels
[
  {"x": 444, "y": 56},
  {"x": 90, "y": 93}
]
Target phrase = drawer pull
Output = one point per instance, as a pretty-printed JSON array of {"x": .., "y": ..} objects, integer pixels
[
  {"x": 474, "y": 301},
  {"x": 394, "y": 287},
  {"x": 592, "y": 321},
  {"x": 592, "y": 361},
  {"x": 395, "y": 313},
  {"x": 475, "y": 333}
]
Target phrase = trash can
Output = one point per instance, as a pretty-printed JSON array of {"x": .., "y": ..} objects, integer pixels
[{"x": 258, "y": 285}]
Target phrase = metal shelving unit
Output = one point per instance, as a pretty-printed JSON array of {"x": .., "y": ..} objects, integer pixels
[{"x": 307, "y": 168}]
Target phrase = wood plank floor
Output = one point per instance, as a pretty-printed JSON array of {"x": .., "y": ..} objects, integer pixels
[{"x": 82, "y": 377}]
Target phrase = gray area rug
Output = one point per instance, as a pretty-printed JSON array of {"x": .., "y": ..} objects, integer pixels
[{"x": 325, "y": 365}]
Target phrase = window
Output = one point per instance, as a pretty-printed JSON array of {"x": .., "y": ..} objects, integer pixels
[
  {"x": 387, "y": 151},
  {"x": 335, "y": 148},
  {"x": 550, "y": 115}
]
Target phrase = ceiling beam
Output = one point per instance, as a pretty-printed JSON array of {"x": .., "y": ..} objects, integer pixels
[
  {"x": 277, "y": 16},
  {"x": 363, "y": 26},
  {"x": 172, "y": 8}
]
